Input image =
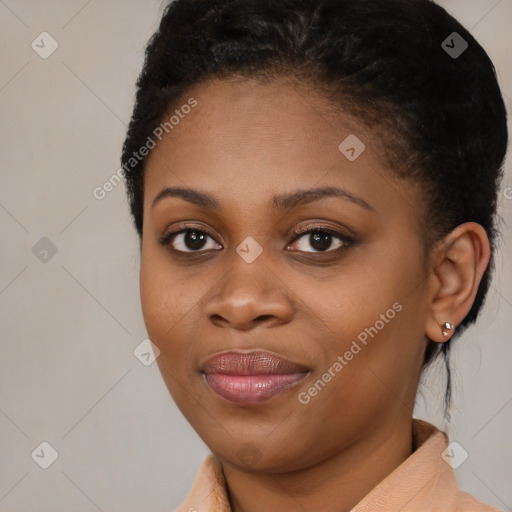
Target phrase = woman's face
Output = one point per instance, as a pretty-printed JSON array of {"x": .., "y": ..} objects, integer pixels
[{"x": 348, "y": 306}]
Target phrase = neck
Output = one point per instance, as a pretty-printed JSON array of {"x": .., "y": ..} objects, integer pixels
[{"x": 336, "y": 484}]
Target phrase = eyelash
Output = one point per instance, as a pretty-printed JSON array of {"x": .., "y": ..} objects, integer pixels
[{"x": 313, "y": 229}]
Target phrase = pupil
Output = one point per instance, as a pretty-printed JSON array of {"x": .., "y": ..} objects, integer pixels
[
  {"x": 194, "y": 240},
  {"x": 321, "y": 242}
]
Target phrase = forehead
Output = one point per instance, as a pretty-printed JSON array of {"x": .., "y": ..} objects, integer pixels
[
  {"x": 246, "y": 139},
  {"x": 249, "y": 118}
]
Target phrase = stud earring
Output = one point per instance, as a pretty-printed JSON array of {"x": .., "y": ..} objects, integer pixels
[{"x": 448, "y": 326}]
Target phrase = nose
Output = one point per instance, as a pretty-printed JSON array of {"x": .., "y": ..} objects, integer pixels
[{"x": 250, "y": 295}]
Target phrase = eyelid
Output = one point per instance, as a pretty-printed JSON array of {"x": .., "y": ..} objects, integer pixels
[
  {"x": 323, "y": 228},
  {"x": 318, "y": 224}
]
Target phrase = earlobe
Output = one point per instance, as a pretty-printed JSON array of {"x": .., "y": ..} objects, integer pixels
[
  {"x": 439, "y": 332},
  {"x": 458, "y": 265}
]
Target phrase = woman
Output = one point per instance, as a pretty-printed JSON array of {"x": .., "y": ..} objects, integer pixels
[{"x": 314, "y": 185}]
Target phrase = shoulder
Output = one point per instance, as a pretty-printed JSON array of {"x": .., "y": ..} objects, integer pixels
[
  {"x": 468, "y": 503},
  {"x": 208, "y": 492}
]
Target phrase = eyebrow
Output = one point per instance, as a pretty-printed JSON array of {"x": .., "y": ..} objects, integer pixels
[{"x": 279, "y": 202}]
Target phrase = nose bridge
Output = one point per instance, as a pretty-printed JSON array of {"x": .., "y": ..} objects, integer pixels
[{"x": 249, "y": 292}]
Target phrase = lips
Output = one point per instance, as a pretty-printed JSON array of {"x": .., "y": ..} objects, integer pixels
[
  {"x": 251, "y": 378},
  {"x": 251, "y": 363}
]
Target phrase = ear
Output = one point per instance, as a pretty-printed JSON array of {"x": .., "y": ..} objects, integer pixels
[{"x": 458, "y": 264}]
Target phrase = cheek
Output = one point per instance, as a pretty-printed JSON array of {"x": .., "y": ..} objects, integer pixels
[
  {"x": 171, "y": 302},
  {"x": 165, "y": 313},
  {"x": 162, "y": 298},
  {"x": 380, "y": 360},
  {"x": 372, "y": 322},
  {"x": 154, "y": 303}
]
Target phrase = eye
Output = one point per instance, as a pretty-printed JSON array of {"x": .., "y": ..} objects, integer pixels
[
  {"x": 321, "y": 239},
  {"x": 190, "y": 240}
]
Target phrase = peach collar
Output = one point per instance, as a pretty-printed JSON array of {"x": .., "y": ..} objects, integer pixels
[{"x": 423, "y": 482}]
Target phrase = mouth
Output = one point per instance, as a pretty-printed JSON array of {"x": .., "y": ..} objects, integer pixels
[{"x": 253, "y": 377}]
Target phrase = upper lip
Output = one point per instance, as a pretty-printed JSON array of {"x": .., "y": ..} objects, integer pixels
[{"x": 259, "y": 362}]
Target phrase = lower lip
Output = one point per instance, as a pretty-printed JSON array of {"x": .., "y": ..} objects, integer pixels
[{"x": 251, "y": 389}]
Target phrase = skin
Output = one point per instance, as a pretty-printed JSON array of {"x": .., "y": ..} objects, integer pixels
[{"x": 245, "y": 142}]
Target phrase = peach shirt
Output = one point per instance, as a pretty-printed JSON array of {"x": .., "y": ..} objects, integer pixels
[{"x": 423, "y": 482}]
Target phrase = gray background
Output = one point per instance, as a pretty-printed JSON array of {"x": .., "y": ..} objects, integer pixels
[{"x": 68, "y": 375}]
